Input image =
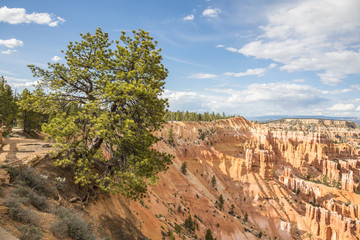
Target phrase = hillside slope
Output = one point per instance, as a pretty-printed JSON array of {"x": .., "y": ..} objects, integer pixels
[{"x": 241, "y": 180}]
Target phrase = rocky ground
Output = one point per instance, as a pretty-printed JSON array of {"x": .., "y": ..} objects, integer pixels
[{"x": 242, "y": 180}]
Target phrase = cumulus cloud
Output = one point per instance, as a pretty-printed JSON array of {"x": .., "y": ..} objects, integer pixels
[
  {"x": 220, "y": 46},
  {"x": 211, "y": 12},
  {"x": 189, "y": 17},
  {"x": 11, "y": 43},
  {"x": 253, "y": 100},
  {"x": 342, "y": 107},
  {"x": 19, "y": 15},
  {"x": 250, "y": 72},
  {"x": 203, "y": 76},
  {"x": 56, "y": 58},
  {"x": 8, "y": 52},
  {"x": 311, "y": 35}
]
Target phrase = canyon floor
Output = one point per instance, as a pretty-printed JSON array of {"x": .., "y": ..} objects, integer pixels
[{"x": 242, "y": 180}]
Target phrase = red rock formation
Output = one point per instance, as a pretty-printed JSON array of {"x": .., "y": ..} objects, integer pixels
[
  {"x": 330, "y": 225},
  {"x": 347, "y": 181}
]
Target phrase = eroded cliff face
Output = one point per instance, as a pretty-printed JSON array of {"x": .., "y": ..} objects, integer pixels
[{"x": 276, "y": 184}]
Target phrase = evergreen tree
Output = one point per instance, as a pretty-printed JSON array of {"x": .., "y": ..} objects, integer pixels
[
  {"x": 184, "y": 168},
  {"x": 30, "y": 120},
  {"x": 8, "y": 107},
  {"x": 171, "y": 137},
  {"x": 116, "y": 91},
  {"x": 213, "y": 181},
  {"x": 208, "y": 235},
  {"x": 221, "y": 202}
]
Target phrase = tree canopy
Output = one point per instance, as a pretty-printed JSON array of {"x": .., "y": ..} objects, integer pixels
[
  {"x": 105, "y": 102},
  {"x": 8, "y": 107}
]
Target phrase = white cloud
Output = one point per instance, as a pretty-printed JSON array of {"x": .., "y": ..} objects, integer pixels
[
  {"x": 342, "y": 107},
  {"x": 358, "y": 108},
  {"x": 25, "y": 84},
  {"x": 56, "y": 58},
  {"x": 249, "y": 72},
  {"x": 203, "y": 76},
  {"x": 189, "y": 17},
  {"x": 6, "y": 72},
  {"x": 11, "y": 43},
  {"x": 311, "y": 35},
  {"x": 255, "y": 99},
  {"x": 8, "y": 52},
  {"x": 255, "y": 71},
  {"x": 19, "y": 15},
  {"x": 211, "y": 12},
  {"x": 231, "y": 49},
  {"x": 339, "y": 91},
  {"x": 220, "y": 46}
]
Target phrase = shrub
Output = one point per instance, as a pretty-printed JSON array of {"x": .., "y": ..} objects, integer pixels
[
  {"x": 73, "y": 225},
  {"x": 30, "y": 233},
  {"x": 184, "y": 168},
  {"x": 16, "y": 212},
  {"x": 26, "y": 194},
  {"x": 28, "y": 177}
]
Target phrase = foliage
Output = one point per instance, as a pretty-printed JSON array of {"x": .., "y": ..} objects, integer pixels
[
  {"x": 8, "y": 107},
  {"x": 213, "y": 181},
  {"x": 220, "y": 202},
  {"x": 16, "y": 212},
  {"x": 72, "y": 224},
  {"x": 30, "y": 233},
  {"x": 190, "y": 224},
  {"x": 193, "y": 116},
  {"x": 184, "y": 168},
  {"x": 106, "y": 102},
  {"x": 178, "y": 228},
  {"x": 29, "y": 120},
  {"x": 208, "y": 235},
  {"x": 171, "y": 235},
  {"x": 27, "y": 195},
  {"x": 171, "y": 137},
  {"x": 29, "y": 178}
]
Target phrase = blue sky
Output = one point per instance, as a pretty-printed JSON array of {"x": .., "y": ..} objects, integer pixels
[{"x": 246, "y": 57}]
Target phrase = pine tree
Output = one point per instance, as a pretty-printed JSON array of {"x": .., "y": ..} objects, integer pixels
[
  {"x": 8, "y": 107},
  {"x": 106, "y": 103},
  {"x": 209, "y": 235},
  {"x": 171, "y": 137},
  {"x": 213, "y": 181}
]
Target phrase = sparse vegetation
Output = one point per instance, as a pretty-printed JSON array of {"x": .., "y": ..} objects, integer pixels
[
  {"x": 30, "y": 233},
  {"x": 171, "y": 137},
  {"x": 184, "y": 168},
  {"x": 71, "y": 225},
  {"x": 213, "y": 181},
  {"x": 208, "y": 235}
]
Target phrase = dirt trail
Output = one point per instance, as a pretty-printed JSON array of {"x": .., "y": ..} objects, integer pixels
[{"x": 22, "y": 150}]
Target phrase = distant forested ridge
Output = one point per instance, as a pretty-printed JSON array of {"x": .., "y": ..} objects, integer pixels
[{"x": 194, "y": 116}]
